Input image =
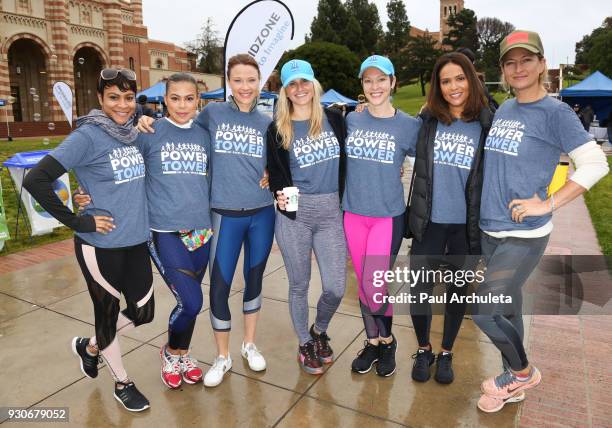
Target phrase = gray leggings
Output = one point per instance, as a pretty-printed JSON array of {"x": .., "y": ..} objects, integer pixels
[
  {"x": 318, "y": 227},
  {"x": 509, "y": 263}
]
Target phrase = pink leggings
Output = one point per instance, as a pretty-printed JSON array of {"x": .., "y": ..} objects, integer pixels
[{"x": 373, "y": 243}]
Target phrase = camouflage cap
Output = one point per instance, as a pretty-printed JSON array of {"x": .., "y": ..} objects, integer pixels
[{"x": 529, "y": 40}]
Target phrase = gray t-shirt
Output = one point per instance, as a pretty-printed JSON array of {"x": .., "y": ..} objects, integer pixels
[
  {"x": 238, "y": 142},
  {"x": 177, "y": 161},
  {"x": 375, "y": 149},
  {"x": 113, "y": 174},
  {"x": 521, "y": 153},
  {"x": 314, "y": 162},
  {"x": 454, "y": 148}
]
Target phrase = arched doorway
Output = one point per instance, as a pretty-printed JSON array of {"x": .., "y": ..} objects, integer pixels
[
  {"x": 28, "y": 77},
  {"x": 87, "y": 65}
]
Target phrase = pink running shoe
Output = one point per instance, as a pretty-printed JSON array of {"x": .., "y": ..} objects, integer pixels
[
  {"x": 190, "y": 370},
  {"x": 507, "y": 385},
  {"x": 170, "y": 369},
  {"x": 490, "y": 404}
]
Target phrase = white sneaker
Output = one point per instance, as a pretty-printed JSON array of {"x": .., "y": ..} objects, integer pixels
[
  {"x": 256, "y": 361},
  {"x": 214, "y": 375}
]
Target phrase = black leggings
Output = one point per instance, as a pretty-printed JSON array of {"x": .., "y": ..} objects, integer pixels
[
  {"x": 438, "y": 240},
  {"x": 110, "y": 272}
]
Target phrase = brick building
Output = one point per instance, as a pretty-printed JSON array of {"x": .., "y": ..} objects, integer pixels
[
  {"x": 44, "y": 41},
  {"x": 447, "y": 8}
]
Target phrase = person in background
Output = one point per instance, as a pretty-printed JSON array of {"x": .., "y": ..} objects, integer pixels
[{"x": 493, "y": 105}]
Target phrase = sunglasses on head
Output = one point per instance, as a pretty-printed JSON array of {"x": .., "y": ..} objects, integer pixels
[{"x": 112, "y": 73}]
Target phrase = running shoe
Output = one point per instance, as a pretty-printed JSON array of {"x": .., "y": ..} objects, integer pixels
[
  {"x": 189, "y": 369},
  {"x": 170, "y": 368},
  {"x": 489, "y": 404},
  {"x": 308, "y": 358},
  {"x": 444, "y": 368},
  {"x": 507, "y": 384},
  {"x": 385, "y": 366},
  {"x": 89, "y": 363},
  {"x": 250, "y": 352},
  {"x": 214, "y": 375},
  {"x": 423, "y": 360},
  {"x": 366, "y": 358},
  {"x": 131, "y": 398},
  {"x": 324, "y": 351}
]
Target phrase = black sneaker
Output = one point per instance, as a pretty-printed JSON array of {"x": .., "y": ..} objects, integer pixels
[
  {"x": 423, "y": 359},
  {"x": 131, "y": 398},
  {"x": 324, "y": 351},
  {"x": 386, "y": 361},
  {"x": 89, "y": 363},
  {"x": 444, "y": 368},
  {"x": 365, "y": 358}
]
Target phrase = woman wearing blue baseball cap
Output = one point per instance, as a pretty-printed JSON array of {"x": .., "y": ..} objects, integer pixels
[
  {"x": 306, "y": 154},
  {"x": 528, "y": 134},
  {"x": 377, "y": 143}
]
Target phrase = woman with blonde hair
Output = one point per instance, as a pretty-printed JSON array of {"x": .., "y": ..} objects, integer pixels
[
  {"x": 528, "y": 135},
  {"x": 306, "y": 151}
]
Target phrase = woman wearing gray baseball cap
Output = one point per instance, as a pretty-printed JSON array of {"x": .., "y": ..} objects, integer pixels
[{"x": 528, "y": 135}]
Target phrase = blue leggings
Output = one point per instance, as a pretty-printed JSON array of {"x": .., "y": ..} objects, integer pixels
[
  {"x": 183, "y": 271},
  {"x": 256, "y": 231}
]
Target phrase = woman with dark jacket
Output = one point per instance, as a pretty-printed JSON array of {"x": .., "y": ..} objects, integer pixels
[
  {"x": 444, "y": 204},
  {"x": 306, "y": 150}
]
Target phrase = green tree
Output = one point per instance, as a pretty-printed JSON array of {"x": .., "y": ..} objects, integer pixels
[
  {"x": 462, "y": 31},
  {"x": 365, "y": 14},
  {"x": 398, "y": 28},
  {"x": 355, "y": 24},
  {"x": 584, "y": 47},
  {"x": 422, "y": 55},
  {"x": 599, "y": 56},
  {"x": 208, "y": 49},
  {"x": 330, "y": 23},
  {"x": 335, "y": 66},
  {"x": 491, "y": 31}
]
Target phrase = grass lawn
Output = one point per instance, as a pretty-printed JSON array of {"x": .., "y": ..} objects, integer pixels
[
  {"x": 598, "y": 202},
  {"x": 24, "y": 240}
]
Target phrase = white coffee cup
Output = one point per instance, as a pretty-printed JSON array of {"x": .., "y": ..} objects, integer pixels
[{"x": 291, "y": 193}]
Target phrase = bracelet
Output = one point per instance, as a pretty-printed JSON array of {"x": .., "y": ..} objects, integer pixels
[{"x": 552, "y": 203}]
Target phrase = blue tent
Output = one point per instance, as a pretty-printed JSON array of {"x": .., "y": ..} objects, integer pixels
[
  {"x": 218, "y": 94},
  {"x": 595, "y": 90},
  {"x": 155, "y": 94},
  {"x": 331, "y": 97}
]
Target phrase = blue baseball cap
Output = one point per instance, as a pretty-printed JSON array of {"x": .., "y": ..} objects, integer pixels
[
  {"x": 296, "y": 69},
  {"x": 377, "y": 61}
]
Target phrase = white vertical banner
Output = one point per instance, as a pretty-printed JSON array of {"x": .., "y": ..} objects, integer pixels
[
  {"x": 262, "y": 29},
  {"x": 63, "y": 95},
  {"x": 40, "y": 220}
]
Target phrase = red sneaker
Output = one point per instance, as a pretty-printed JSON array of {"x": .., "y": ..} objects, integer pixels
[
  {"x": 170, "y": 369},
  {"x": 190, "y": 371}
]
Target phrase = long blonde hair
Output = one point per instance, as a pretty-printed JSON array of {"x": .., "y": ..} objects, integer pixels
[{"x": 284, "y": 108}]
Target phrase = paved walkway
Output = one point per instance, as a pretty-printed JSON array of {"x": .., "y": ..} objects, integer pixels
[{"x": 43, "y": 303}]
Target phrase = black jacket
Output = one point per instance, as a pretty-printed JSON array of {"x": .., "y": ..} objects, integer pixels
[
  {"x": 278, "y": 158},
  {"x": 418, "y": 209}
]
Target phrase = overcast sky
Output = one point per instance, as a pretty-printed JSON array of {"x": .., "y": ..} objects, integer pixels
[{"x": 561, "y": 23}]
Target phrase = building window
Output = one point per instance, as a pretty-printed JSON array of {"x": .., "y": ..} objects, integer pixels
[
  {"x": 159, "y": 64},
  {"x": 23, "y": 6},
  {"x": 445, "y": 11},
  {"x": 86, "y": 17},
  {"x": 455, "y": 10},
  {"x": 131, "y": 64}
]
